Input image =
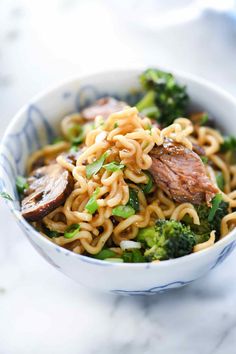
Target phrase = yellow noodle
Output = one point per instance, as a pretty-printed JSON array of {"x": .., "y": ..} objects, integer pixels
[
  {"x": 185, "y": 209},
  {"x": 49, "y": 151},
  {"x": 223, "y": 167},
  {"x": 225, "y": 223},
  {"x": 204, "y": 245}
]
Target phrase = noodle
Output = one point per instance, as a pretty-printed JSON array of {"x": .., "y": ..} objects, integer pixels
[{"x": 204, "y": 245}]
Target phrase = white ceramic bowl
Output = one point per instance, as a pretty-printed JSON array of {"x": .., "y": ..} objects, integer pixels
[{"x": 37, "y": 123}]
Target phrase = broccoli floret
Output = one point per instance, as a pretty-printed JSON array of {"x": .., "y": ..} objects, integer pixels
[
  {"x": 167, "y": 239},
  {"x": 203, "y": 230},
  {"x": 220, "y": 213},
  {"x": 133, "y": 256},
  {"x": 164, "y": 100}
]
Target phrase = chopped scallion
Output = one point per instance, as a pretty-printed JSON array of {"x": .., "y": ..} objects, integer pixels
[
  {"x": 147, "y": 188},
  {"x": 21, "y": 184},
  {"x": 92, "y": 204},
  {"x": 94, "y": 167},
  {"x": 72, "y": 230},
  {"x": 76, "y": 134},
  {"x": 123, "y": 211},
  {"x": 74, "y": 148},
  {"x": 204, "y": 159},
  {"x": 114, "y": 166},
  {"x": 52, "y": 233},
  {"x": 204, "y": 118},
  {"x": 215, "y": 205},
  {"x": 220, "y": 180},
  {"x": 105, "y": 253},
  {"x": 57, "y": 140},
  {"x": 133, "y": 199}
]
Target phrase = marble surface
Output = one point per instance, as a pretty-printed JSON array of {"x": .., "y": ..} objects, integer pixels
[{"x": 41, "y": 311}]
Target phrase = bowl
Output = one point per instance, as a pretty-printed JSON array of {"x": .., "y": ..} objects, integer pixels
[{"x": 37, "y": 123}]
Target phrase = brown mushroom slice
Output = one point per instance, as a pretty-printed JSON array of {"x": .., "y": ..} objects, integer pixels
[
  {"x": 103, "y": 107},
  {"x": 49, "y": 186},
  {"x": 72, "y": 156}
]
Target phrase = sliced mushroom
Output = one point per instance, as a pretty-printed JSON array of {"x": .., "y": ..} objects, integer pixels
[
  {"x": 72, "y": 156},
  {"x": 49, "y": 187},
  {"x": 103, "y": 107}
]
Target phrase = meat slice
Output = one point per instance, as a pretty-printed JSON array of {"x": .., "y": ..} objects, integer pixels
[
  {"x": 49, "y": 187},
  {"x": 181, "y": 173},
  {"x": 103, "y": 107}
]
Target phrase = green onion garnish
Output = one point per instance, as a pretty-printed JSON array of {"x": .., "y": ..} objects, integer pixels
[
  {"x": 74, "y": 131},
  {"x": 72, "y": 230},
  {"x": 133, "y": 199},
  {"x": 124, "y": 211},
  {"x": 147, "y": 188},
  {"x": 21, "y": 184},
  {"x": 204, "y": 159},
  {"x": 92, "y": 204},
  {"x": 74, "y": 149},
  {"x": 76, "y": 134},
  {"x": 52, "y": 233},
  {"x": 78, "y": 140},
  {"x": 116, "y": 125},
  {"x": 113, "y": 166},
  {"x": 215, "y": 205},
  {"x": 58, "y": 139},
  {"x": 204, "y": 118},
  {"x": 105, "y": 253},
  {"x": 94, "y": 167},
  {"x": 220, "y": 180},
  {"x": 5, "y": 196}
]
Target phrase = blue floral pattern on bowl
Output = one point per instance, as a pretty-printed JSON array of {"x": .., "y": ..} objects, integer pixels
[
  {"x": 227, "y": 250},
  {"x": 154, "y": 290}
]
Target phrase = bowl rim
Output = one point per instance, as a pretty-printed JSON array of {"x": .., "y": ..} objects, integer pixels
[{"x": 188, "y": 77}]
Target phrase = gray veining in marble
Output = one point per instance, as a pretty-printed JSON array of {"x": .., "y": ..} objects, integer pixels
[{"x": 41, "y": 311}]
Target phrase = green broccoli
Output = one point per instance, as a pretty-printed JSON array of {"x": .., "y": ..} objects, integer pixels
[
  {"x": 164, "y": 99},
  {"x": 133, "y": 256},
  {"x": 207, "y": 223},
  {"x": 167, "y": 239}
]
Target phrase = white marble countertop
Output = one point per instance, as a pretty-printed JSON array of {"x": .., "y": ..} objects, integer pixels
[{"x": 41, "y": 311}]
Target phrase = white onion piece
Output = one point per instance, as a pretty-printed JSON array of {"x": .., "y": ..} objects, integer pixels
[
  {"x": 100, "y": 137},
  {"x": 118, "y": 260},
  {"x": 125, "y": 245}
]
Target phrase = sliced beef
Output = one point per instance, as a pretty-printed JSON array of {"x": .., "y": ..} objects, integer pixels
[
  {"x": 181, "y": 173},
  {"x": 49, "y": 186},
  {"x": 103, "y": 107}
]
